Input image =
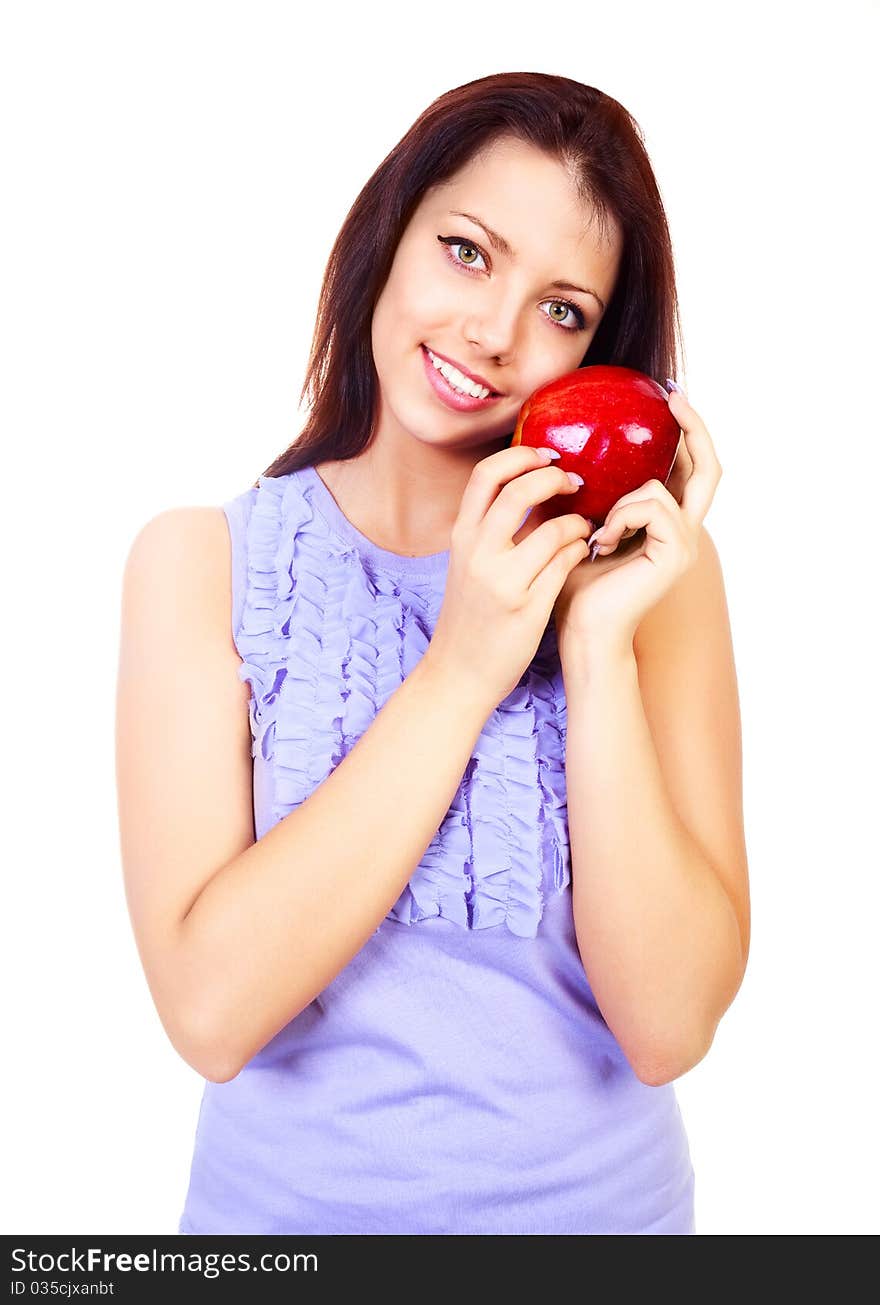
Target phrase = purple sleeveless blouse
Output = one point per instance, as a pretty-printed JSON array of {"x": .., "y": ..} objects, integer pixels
[{"x": 457, "y": 1076}]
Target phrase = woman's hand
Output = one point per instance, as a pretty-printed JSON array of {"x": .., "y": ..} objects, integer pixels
[
  {"x": 605, "y": 597},
  {"x": 500, "y": 591}
]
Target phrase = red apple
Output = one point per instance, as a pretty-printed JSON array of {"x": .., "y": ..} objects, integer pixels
[{"x": 612, "y": 425}]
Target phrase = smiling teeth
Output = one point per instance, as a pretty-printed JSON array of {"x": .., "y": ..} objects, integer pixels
[{"x": 457, "y": 381}]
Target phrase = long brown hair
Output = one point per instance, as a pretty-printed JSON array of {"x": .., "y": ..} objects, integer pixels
[{"x": 590, "y": 134}]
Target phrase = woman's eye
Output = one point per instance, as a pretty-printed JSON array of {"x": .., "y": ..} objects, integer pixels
[
  {"x": 575, "y": 317},
  {"x": 470, "y": 249}
]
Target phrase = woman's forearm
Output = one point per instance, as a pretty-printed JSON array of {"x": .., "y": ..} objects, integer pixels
[
  {"x": 275, "y": 926},
  {"x": 657, "y": 933}
]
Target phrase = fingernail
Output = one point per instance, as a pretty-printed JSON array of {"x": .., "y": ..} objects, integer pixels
[
  {"x": 575, "y": 478},
  {"x": 549, "y": 453},
  {"x": 593, "y": 544},
  {"x": 671, "y": 385}
]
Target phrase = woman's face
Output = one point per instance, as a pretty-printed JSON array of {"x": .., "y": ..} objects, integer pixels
[{"x": 495, "y": 313}]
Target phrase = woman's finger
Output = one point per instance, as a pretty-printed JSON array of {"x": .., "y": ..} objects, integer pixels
[
  {"x": 699, "y": 488},
  {"x": 682, "y": 467},
  {"x": 659, "y": 514},
  {"x": 651, "y": 489}
]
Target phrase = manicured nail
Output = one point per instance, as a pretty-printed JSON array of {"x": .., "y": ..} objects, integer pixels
[
  {"x": 593, "y": 544},
  {"x": 575, "y": 478},
  {"x": 671, "y": 385},
  {"x": 549, "y": 453}
]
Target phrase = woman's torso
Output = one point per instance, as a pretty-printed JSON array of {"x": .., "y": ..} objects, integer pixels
[{"x": 457, "y": 1076}]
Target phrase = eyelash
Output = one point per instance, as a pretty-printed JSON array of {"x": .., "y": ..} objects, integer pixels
[{"x": 448, "y": 241}]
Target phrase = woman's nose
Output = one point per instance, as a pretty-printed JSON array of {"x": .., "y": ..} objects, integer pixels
[{"x": 493, "y": 342}]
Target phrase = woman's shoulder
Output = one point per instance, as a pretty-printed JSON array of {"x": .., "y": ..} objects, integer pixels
[
  {"x": 240, "y": 549},
  {"x": 176, "y": 582},
  {"x": 183, "y": 551},
  {"x": 180, "y": 534},
  {"x": 202, "y": 532}
]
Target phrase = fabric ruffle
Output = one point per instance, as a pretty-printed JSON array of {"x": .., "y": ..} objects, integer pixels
[{"x": 325, "y": 639}]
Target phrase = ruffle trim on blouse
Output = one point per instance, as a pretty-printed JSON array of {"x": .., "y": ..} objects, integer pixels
[{"x": 325, "y": 640}]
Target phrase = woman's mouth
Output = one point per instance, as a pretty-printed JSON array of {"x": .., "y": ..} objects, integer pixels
[{"x": 453, "y": 388}]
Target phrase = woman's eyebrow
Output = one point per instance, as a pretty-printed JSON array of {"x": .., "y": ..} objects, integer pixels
[{"x": 503, "y": 247}]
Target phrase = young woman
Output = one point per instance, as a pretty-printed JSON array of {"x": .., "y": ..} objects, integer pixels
[{"x": 431, "y": 822}]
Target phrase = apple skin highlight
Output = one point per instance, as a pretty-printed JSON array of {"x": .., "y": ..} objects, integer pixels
[{"x": 612, "y": 425}]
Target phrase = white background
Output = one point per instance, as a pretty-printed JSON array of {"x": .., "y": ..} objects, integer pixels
[{"x": 175, "y": 175}]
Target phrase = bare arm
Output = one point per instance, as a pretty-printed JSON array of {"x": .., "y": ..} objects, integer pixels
[
  {"x": 237, "y": 936},
  {"x": 660, "y": 870},
  {"x": 274, "y": 927}
]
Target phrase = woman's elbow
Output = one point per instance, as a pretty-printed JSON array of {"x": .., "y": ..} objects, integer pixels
[{"x": 660, "y": 1068}]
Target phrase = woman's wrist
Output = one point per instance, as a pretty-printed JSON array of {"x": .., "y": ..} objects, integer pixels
[{"x": 592, "y": 656}]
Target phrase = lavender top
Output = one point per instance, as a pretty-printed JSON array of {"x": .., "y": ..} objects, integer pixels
[{"x": 457, "y": 1076}]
